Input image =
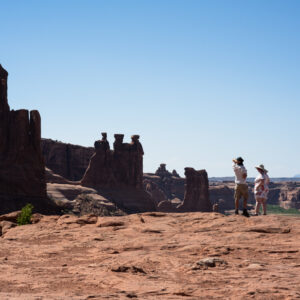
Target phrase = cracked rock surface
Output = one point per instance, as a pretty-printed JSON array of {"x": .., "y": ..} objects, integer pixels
[{"x": 152, "y": 256}]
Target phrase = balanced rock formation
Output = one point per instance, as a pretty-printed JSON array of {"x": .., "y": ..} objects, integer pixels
[
  {"x": 118, "y": 173},
  {"x": 67, "y": 160},
  {"x": 121, "y": 167},
  {"x": 22, "y": 171}
]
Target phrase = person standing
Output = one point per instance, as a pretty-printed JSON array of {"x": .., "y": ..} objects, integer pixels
[
  {"x": 261, "y": 189},
  {"x": 241, "y": 186}
]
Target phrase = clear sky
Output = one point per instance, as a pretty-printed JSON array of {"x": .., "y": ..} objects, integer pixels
[{"x": 200, "y": 81}]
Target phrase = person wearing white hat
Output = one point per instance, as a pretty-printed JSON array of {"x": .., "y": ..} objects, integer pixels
[{"x": 261, "y": 189}]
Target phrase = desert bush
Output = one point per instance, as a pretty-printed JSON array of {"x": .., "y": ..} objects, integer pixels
[{"x": 25, "y": 216}]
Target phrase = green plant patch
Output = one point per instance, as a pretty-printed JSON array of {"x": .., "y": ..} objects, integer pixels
[
  {"x": 276, "y": 209},
  {"x": 26, "y": 214}
]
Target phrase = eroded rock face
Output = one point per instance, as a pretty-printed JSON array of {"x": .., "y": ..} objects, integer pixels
[
  {"x": 170, "y": 184},
  {"x": 22, "y": 171},
  {"x": 196, "y": 195},
  {"x": 67, "y": 160},
  {"x": 118, "y": 174},
  {"x": 195, "y": 187},
  {"x": 121, "y": 167}
]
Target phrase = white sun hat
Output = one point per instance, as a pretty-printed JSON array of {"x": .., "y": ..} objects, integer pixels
[{"x": 261, "y": 167}]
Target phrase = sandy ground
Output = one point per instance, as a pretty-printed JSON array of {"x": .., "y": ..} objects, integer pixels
[{"x": 152, "y": 256}]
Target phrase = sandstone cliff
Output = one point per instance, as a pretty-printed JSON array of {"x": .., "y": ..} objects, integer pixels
[
  {"x": 196, "y": 194},
  {"x": 22, "y": 170},
  {"x": 67, "y": 160},
  {"x": 118, "y": 174}
]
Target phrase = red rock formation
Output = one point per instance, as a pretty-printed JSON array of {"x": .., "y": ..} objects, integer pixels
[
  {"x": 154, "y": 191},
  {"x": 118, "y": 173},
  {"x": 196, "y": 196},
  {"x": 120, "y": 167},
  {"x": 67, "y": 160},
  {"x": 171, "y": 184},
  {"x": 22, "y": 173},
  {"x": 100, "y": 172}
]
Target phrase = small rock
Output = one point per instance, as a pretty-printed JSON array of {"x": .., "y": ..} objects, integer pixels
[
  {"x": 209, "y": 262},
  {"x": 131, "y": 295},
  {"x": 257, "y": 267},
  {"x": 6, "y": 225},
  {"x": 87, "y": 219},
  {"x": 151, "y": 231},
  {"x": 36, "y": 218},
  {"x": 121, "y": 269},
  {"x": 132, "y": 269},
  {"x": 110, "y": 224},
  {"x": 11, "y": 217}
]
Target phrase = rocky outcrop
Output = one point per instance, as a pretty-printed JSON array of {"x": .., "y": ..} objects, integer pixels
[
  {"x": 164, "y": 182},
  {"x": 67, "y": 160},
  {"x": 22, "y": 170},
  {"x": 196, "y": 195},
  {"x": 154, "y": 191},
  {"x": 121, "y": 167},
  {"x": 118, "y": 174}
]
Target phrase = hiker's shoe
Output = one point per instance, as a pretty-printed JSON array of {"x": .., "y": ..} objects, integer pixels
[
  {"x": 245, "y": 213},
  {"x": 236, "y": 212},
  {"x": 265, "y": 214},
  {"x": 256, "y": 215}
]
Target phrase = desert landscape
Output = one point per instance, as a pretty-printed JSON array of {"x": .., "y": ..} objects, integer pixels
[
  {"x": 151, "y": 256},
  {"x": 101, "y": 228},
  {"x": 150, "y": 150}
]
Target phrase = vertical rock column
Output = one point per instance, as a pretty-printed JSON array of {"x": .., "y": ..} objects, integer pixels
[
  {"x": 196, "y": 196},
  {"x": 22, "y": 170}
]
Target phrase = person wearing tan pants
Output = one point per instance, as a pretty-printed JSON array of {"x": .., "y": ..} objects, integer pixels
[{"x": 241, "y": 186}]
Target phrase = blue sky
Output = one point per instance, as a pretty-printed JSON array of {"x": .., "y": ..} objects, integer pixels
[{"x": 200, "y": 81}]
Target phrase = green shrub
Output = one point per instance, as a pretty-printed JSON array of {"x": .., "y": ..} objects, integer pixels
[
  {"x": 25, "y": 216},
  {"x": 276, "y": 209}
]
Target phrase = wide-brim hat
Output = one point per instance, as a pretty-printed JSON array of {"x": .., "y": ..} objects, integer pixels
[{"x": 261, "y": 167}]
